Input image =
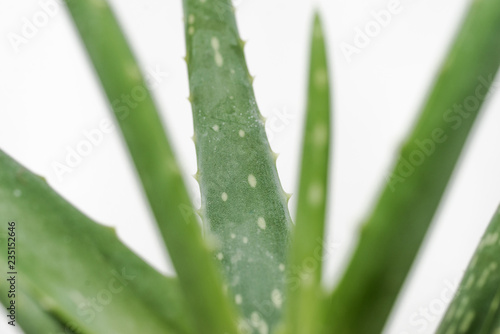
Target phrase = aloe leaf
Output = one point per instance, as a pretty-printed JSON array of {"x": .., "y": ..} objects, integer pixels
[
  {"x": 304, "y": 274},
  {"x": 155, "y": 163},
  {"x": 475, "y": 309},
  {"x": 75, "y": 271},
  {"x": 242, "y": 198},
  {"x": 37, "y": 318},
  {"x": 392, "y": 234}
]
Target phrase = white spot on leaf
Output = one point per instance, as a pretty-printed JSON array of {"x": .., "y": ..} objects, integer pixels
[
  {"x": 217, "y": 56},
  {"x": 259, "y": 323},
  {"x": 238, "y": 299},
  {"x": 252, "y": 181},
  {"x": 262, "y": 223},
  {"x": 215, "y": 43},
  {"x": 276, "y": 298},
  {"x": 218, "y": 59}
]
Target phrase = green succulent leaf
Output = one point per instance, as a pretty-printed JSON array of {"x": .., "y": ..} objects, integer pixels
[
  {"x": 38, "y": 317},
  {"x": 156, "y": 165},
  {"x": 475, "y": 309},
  {"x": 392, "y": 234},
  {"x": 75, "y": 274},
  {"x": 305, "y": 292},
  {"x": 242, "y": 198}
]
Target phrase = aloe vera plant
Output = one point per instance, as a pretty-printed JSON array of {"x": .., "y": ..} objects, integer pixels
[{"x": 248, "y": 270}]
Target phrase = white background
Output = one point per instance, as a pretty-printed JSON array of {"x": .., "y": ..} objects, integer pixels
[{"x": 49, "y": 96}]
